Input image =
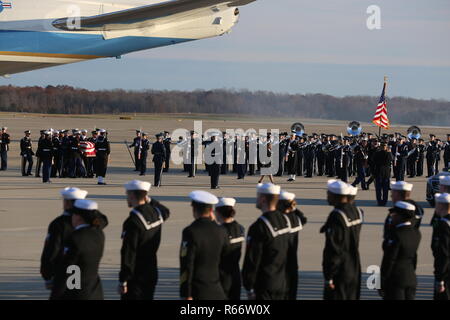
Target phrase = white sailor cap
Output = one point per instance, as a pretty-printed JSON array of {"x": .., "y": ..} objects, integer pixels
[
  {"x": 102, "y": 130},
  {"x": 85, "y": 204},
  {"x": 338, "y": 187},
  {"x": 47, "y": 132},
  {"x": 401, "y": 186},
  {"x": 135, "y": 185},
  {"x": 268, "y": 188},
  {"x": 71, "y": 193},
  {"x": 353, "y": 190},
  {"x": 405, "y": 206},
  {"x": 442, "y": 197},
  {"x": 289, "y": 196},
  {"x": 444, "y": 180},
  {"x": 203, "y": 197},
  {"x": 226, "y": 202}
]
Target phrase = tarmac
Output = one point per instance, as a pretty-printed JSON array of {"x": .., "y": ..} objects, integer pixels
[{"x": 27, "y": 206}]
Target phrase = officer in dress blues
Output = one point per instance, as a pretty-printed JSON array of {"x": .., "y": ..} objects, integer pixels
[
  {"x": 159, "y": 154},
  {"x": 45, "y": 148},
  {"x": 136, "y": 145},
  {"x": 141, "y": 237},
  {"x": 230, "y": 274},
  {"x": 4, "y": 148},
  {"x": 167, "y": 142},
  {"x": 26, "y": 153},
  {"x": 58, "y": 234},
  {"x": 103, "y": 150},
  {"x": 264, "y": 270},
  {"x": 144, "y": 146},
  {"x": 204, "y": 244}
]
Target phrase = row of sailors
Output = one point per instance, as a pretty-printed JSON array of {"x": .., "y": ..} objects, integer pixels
[
  {"x": 211, "y": 246},
  {"x": 62, "y": 154}
]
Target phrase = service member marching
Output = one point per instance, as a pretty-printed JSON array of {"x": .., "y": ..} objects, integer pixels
[
  {"x": 398, "y": 268},
  {"x": 230, "y": 273},
  {"x": 141, "y": 237},
  {"x": 341, "y": 260},
  {"x": 58, "y": 234},
  {"x": 203, "y": 245},
  {"x": 84, "y": 249},
  {"x": 264, "y": 270},
  {"x": 440, "y": 244}
]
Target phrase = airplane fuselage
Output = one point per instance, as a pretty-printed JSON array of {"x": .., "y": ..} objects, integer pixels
[{"x": 29, "y": 39}]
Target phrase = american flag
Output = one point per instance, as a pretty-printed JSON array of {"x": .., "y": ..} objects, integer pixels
[
  {"x": 6, "y": 4},
  {"x": 381, "y": 116}
]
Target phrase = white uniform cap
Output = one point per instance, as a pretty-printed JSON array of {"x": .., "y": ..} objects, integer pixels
[
  {"x": 401, "y": 186},
  {"x": 442, "y": 197},
  {"x": 353, "y": 190},
  {"x": 284, "y": 195},
  {"x": 444, "y": 180},
  {"x": 102, "y": 130},
  {"x": 338, "y": 187},
  {"x": 215, "y": 134},
  {"x": 203, "y": 197},
  {"x": 71, "y": 193},
  {"x": 226, "y": 202},
  {"x": 268, "y": 188},
  {"x": 137, "y": 185},
  {"x": 85, "y": 204},
  {"x": 405, "y": 205},
  {"x": 47, "y": 132},
  {"x": 84, "y": 130}
]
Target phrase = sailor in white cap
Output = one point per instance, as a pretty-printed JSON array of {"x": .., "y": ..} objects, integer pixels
[
  {"x": 341, "y": 261},
  {"x": 440, "y": 244},
  {"x": 84, "y": 249},
  {"x": 288, "y": 206},
  {"x": 444, "y": 184},
  {"x": 141, "y": 237},
  {"x": 398, "y": 276},
  {"x": 103, "y": 150},
  {"x": 4, "y": 148},
  {"x": 203, "y": 245},
  {"x": 267, "y": 247},
  {"x": 229, "y": 268},
  {"x": 58, "y": 234},
  {"x": 401, "y": 191}
]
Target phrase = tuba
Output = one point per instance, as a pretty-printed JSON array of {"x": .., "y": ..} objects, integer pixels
[
  {"x": 298, "y": 128},
  {"x": 414, "y": 132},
  {"x": 354, "y": 128}
]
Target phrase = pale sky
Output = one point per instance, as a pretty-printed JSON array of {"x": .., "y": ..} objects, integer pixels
[{"x": 295, "y": 46}]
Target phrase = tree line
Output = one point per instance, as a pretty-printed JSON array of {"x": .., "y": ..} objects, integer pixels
[{"x": 69, "y": 100}]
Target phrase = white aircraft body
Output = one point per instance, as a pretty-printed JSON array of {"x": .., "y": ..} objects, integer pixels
[{"x": 37, "y": 34}]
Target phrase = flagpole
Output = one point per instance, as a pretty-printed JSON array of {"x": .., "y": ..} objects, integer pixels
[{"x": 385, "y": 86}]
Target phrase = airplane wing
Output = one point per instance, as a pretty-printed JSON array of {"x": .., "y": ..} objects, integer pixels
[{"x": 144, "y": 16}]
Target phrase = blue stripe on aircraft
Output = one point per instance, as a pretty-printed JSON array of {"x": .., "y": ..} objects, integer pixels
[{"x": 76, "y": 43}]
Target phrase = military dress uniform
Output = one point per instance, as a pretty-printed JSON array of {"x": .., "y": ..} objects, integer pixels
[
  {"x": 4, "y": 148},
  {"x": 167, "y": 142},
  {"x": 431, "y": 155},
  {"x": 57, "y": 157},
  {"x": 141, "y": 237},
  {"x": 26, "y": 152},
  {"x": 203, "y": 245},
  {"x": 230, "y": 274},
  {"x": 398, "y": 267},
  {"x": 142, "y": 156},
  {"x": 296, "y": 222},
  {"x": 159, "y": 156},
  {"x": 84, "y": 249},
  {"x": 57, "y": 237},
  {"x": 341, "y": 260},
  {"x": 447, "y": 153},
  {"x": 103, "y": 150},
  {"x": 440, "y": 245},
  {"x": 45, "y": 155}
]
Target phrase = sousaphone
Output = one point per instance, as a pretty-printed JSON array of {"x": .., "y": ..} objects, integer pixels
[
  {"x": 298, "y": 128},
  {"x": 354, "y": 128},
  {"x": 414, "y": 132}
]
